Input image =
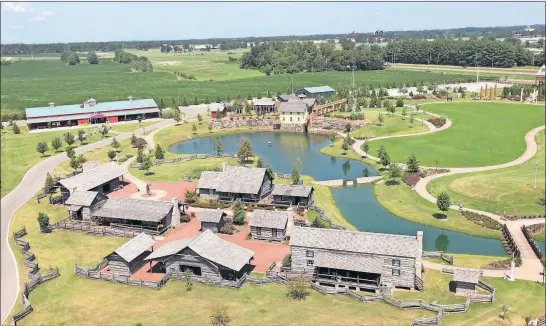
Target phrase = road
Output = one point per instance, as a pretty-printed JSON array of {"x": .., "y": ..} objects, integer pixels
[{"x": 32, "y": 182}]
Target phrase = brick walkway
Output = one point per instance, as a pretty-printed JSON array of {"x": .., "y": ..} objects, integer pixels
[{"x": 172, "y": 189}]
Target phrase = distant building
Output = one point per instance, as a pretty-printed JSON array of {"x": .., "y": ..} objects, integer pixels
[
  {"x": 212, "y": 219},
  {"x": 465, "y": 280},
  {"x": 264, "y": 105},
  {"x": 298, "y": 195},
  {"x": 216, "y": 108},
  {"x": 90, "y": 111},
  {"x": 294, "y": 112},
  {"x": 541, "y": 76},
  {"x": 315, "y": 92},
  {"x": 103, "y": 178}
]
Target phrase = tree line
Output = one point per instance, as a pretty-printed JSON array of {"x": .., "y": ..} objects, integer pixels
[
  {"x": 293, "y": 57},
  {"x": 485, "y": 53},
  {"x": 138, "y": 63}
]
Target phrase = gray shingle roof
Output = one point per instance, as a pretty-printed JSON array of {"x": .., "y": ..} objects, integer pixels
[
  {"x": 211, "y": 215},
  {"x": 293, "y": 106},
  {"x": 467, "y": 275},
  {"x": 349, "y": 262},
  {"x": 289, "y": 97},
  {"x": 263, "y": 102},
  {"x": 211, "y": 247},
  {"x": 269, "y": 219},
  {"x": 93, "y": 178},
  {"x": 209, "y": 179},
  {"x": 82, "y": 198},
  {"x": 292, "y": 190},
  {"x": 319, "y": 89},
  {"x": 135, "y": 209},
  {"x": 352, "y": 241},
  {"x": 134, "y": 247}
]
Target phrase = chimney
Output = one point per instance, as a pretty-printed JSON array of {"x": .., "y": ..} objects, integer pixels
[
  {"x": 224, "y": 166},
  {"x": 175, "y": 220},
  {"x": 130, "y": 98}
]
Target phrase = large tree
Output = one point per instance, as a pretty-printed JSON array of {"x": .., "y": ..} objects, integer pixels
[
  {"x": 92, "y": 58},
  {"x": 296, "y": 169},
  {"x": 443, "y": 202},
  {"x": 244, "y": 150}
]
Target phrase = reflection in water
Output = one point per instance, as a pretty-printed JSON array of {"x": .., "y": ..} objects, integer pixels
[
  {"x": 346, "y": 167},
  {"x": 333, "y": 159},
  {"x": 442, "y": 243}
]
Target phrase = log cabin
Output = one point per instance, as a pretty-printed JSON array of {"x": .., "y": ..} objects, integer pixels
[
  {"x": 209, "y": 258},
  {"x": 269, "y": 225},
  {"x": 82, "y": 204},
  {"x": 129, "y": 258},
  {"x": 361, "y": 261},
  {"x": 465, "y": 280},
  {"x": 212, "y": 219},
  {"x": 298, "y": 195},
  {"x": 262, "y": 106}
]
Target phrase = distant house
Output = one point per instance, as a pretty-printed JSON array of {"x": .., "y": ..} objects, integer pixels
[
  {"x": 103, "y": 178},
  {"x": 293, "y": 195},
  {"x": 90, "y": 111},
  {"x": 216, "y": 108},
  {"x": 465, "y": 280},
  {"x": 541, "y": 76},
  {"x": 212, "y": 219},
  {"x": 81, "y": 204},
  {"x": 294, "y": 112},
  {"x": 246, "y": 184},
  {"x": 315, "y": 92},
  {"x": 129, "y": 258},
  {"x": 269, "y": 225},
  {"x": 357, "y": 260},
  {"x": 210, "y": 259},
  {"x": 262, "y": 106}
]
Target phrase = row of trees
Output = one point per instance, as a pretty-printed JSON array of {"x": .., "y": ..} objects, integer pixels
[{"x": 138, "y": 63}]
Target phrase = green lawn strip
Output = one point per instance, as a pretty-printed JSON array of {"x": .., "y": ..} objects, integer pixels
[
  {"x": 403, "y": 202},
  {"x": 482, "y": 134},
  {"x": 509, "y": 189},
  {"x": 470, "y": 261},
  {"x": 436, "y": 289},
  {"x": 126, "y": 127},
  {"x": 19, "y": 152},
  {"x": 392, "y": 125},
  {"x": 176, "y": 171},
  {"x": 540, "y": 236}
]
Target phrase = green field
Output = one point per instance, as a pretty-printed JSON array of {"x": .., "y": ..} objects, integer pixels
[
  {"x": 131, "y": 126},
  {"x": 470, "y": 261},
  {"x": 482, "y": 134},
  {"x": 510, "y": 189},
  {"x": 392, "y": 125},
  {"x": 30, "y": 83},
  {"x": 176, "y": 171}
]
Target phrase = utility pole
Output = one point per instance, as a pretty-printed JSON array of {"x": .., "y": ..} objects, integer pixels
[{"x": 536, "y": 170}]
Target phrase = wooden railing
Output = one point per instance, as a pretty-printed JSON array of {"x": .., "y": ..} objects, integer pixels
[
  {"x": 97, "y": 273},
  {"x": 509, "y": 243},
  {"x": 532, "y": 242},
  {"x": 438, "y": 254},
  {"x": 93, "y": 229}
]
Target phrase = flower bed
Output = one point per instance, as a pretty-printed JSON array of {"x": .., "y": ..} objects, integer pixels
[
  {"x": 411, "y": 178},
  {"x": 437, "y": 122},
  {"x": 481, "y": 220}
]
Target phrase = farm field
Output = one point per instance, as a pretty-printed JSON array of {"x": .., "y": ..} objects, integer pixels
[
  {"x": 30, "y": 83},
  {"x": 519, "y": 73},
  {"x": 482, "y": 134},
  {"x": 94, "y": 303},
  {"x": 510, "y": 189}
]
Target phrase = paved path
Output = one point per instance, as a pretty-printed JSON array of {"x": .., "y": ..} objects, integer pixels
[
  {"x": 339, "y": 182},
  {"x": 32, "y": 182}
]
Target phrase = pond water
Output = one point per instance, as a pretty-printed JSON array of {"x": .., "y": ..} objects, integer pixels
[{"x": 357, "y": 204}]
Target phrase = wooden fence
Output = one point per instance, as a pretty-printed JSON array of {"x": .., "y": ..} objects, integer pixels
[
  {"x": 325, "y": 218},
  {"x": 35, "y": 278},
  {"x": 184, "y": 159},
  {"x": 532, "y": 242},
  {"x": 509, "y": 243},
  {"x": 93, "y": 229},
  {"x": 438, "y": 254}
]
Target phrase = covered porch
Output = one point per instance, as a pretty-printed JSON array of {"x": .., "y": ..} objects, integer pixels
[{"x": 348, "y": 279}]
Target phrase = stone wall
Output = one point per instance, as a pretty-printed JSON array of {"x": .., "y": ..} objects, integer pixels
[
  {"x": 338, "y": 124},
  {"x": 253, "y": 122},
  {"x": 293, "y": 127}
]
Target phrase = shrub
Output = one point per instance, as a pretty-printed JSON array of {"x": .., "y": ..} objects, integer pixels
[
  {"x": 228, "y": 227},
  {"x": 43, "y": 221},
  {"x": 287, "y": 261},
  {"x": 437, "y": 122},
  {"x": 185, "y": 218},
  {"x": 419, "y": 97},
  {"x": 297, "y": 289},
  {"x": 219, "y": 316},
  {"x": 356, "y": 116},
  {"x": 411, "y": 179},
  {"x": 351, "y": 141},
  {"x": 191, "y": 196},
  {"x": 481, "y": 220}
]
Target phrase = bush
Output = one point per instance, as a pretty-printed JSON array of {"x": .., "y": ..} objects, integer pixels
[
  {"x": 297, "y": 289},
  {"x": 185, "y": 218},
  {"x": 351, "y": 141},
  {"x": 228, "y": 227},
  {"x": 481, "y": 220},
  {"x": 437, "y": 122},
  {"x": 419, "y": 97},
  {"x": 356, "y": 116},
  {"x": 411, "y": 178},
  {"x": 43, "y": 221},
  {"x": 287, "y": 261}
]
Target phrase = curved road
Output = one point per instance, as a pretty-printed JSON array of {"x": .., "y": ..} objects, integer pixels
[{"x": 32, "y": 182}]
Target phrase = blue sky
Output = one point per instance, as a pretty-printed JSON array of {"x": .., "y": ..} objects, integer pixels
[{"x": 47, "y": 22}]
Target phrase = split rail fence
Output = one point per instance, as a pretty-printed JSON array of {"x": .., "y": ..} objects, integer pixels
[
  {"x": 438, "y": 254},
  {"x": 532, "y": 242},
  {"x": 93, "y": 229},
  {"x": 35, "y": 278},
  {"x": 325, "y": 218}
]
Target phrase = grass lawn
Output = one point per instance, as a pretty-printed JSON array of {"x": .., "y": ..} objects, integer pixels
[
  {"x": 126, "y": 127},
  {"x": 403, "y": 202},
  {"x": 510, "y": 189},
  {"x": 392, "y": 125},
  {"x": 482, "y": 134},
  {"x": 436, "y": 289},
  {"x": 470, "y": 261},
  {"x": 540, "y": 236},
  {"x": 19, "y": 153}
]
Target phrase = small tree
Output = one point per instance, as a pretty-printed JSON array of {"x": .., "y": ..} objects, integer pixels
[
  {"x": 259, "y": 163},
  {"x": 333, "y": 138},
  {"x": 195, "y": 100},
  {"x": 411, "y": 119},
  {"x": 296, "y": 169},
  {"x": 147, "y": 164},
  {"x": 70, "y": 152},
  {"x": 366, "y": 172},
  {"x": 218, "y": 100},
  {"x": 394, "y": 171},
  {"x": 103, "y": 130},
  {"x": 112, "y": 154},
  {"x": 443, "y": 202},
  {"x": 269, "y": 170},
  {"x": 115, "y": 144},
  {"x": 399, "y": 102},
  {"x": 176, "y": 116},
  {"x": 345, "y": 145},
  {"x": 49, "y": 183},
  {"x": 207, "y": 101},
  {"x": 404, "y": 113},
  {"x": 185, "y": 101},
  {"x": 412, "y": 165},
  {"x": 238, "y": 213},
  {"x": 297, "y": 289},
  {"x": 218, "y": 115},
  {"x": 220, "y": 316},
  {"x": 228, "y": 98},
  {"x": 380, "y": 118},
  {"x": 43, "y": 221},
  {"x": 159, "y": 152},
  {"x": 188, "y": 280},
  {"x": 366, "y": 147},
  {"x": 199, "y": 118},
  {"x": 15, "y": 128},
  {"x": 68, "y": 138},
  {"x": 82, "y": 135},
  {"x": 348, "y": 127},
  {"x": 259, "y": 95},
  {"x": 249, "y": 97},
  {"x": 76, "y": 162},
  {"x": 504, "y": 311},
  {"x": 69, "y": 123},
  {"x": 317, "y": 223},
  {"x": 217, "y": 145},
  {"x": 42, "y": 147},
  {"x": 244, "y": 150},
  {"x": 210, "y": 127},
  {"x": 56, "y": 143},
  {"x": 384, "y": 158},
  {"x": 140, "y": 157},
  {"x": 194, "y": 128}
]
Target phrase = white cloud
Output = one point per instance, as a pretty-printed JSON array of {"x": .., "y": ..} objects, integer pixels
[
  {"x": 16, "y": 7},
  {"x": 17, "y": 27},
  {"x": 378, "y": 13},
  {"x": 41, "y": 16}
]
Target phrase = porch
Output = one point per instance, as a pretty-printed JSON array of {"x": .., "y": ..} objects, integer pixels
[{"x": 346, "y": 279}]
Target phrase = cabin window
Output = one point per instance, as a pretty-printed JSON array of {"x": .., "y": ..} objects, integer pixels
[
  {"x": 396, "y": 262},
  {"x": 310, "y": 253},
  {"x": 283, "y": 118},
  {"x": 310, "y": 263},
  {"x": 258, "y": 231},
  {"x": 274, "y": 233},
  {"x": 395, "y": 272},
  {"x": 290, "y": 117}
]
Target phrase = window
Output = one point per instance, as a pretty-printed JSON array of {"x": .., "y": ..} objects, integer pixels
[
  {"x": 395, "y": 272},
  {"x": 299, "y": 118},
  {"x": 274, "y": 233},
  {"x": 310, "y": 253},
  {"x": 290, "y": 118},
  {"x": 283, "y": 118},
  {"x": 310, "y": 263},
  {"x": 396, "y": 262},
  {"x": 258, "y": 231}
]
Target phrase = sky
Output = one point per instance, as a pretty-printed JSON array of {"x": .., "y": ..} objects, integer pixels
[{"x": 51, "y": 22}]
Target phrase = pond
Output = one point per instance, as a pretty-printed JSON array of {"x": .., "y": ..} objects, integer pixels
[{"x": 357, "y": 204}]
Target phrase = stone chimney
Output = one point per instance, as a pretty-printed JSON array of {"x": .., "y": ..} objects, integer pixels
[
  {"x": 51, "y": 104},
  {"x": 224, "y": 166},
  {"x": 175, "y": 220},
  {"x": 419, "y": 259}
]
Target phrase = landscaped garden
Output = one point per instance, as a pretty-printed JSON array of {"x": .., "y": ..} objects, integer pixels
[
  {"x": 482, "y": 134},
  {"x": 391, "y": 125}
]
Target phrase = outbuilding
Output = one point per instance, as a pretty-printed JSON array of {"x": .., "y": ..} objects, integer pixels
[
  {"x": 81, "y": 204},
  {"x": 541, "y": 76},
  {"x": 316, "y": 92},
  {"x": 129, "y": 258},
  {"x": 269, "y": 225},
  {"x": 212, "y": 219},
  {"x": 465, "y": 280},
  {"x": 262, "y": 106},
  {"x": 299, "y": 195}
]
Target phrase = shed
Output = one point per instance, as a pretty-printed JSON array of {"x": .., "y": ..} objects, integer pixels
[
  {"x": 81, "y": 204},
  {"x": 212, "y": 219},
  {"x": 129, "y": 258},
  {"x": 103, "y": 178},
  {"x": 269, "y": 225},
  {"x": 293, "y": 195},
  {"x": 465, "y": 280},
  {"x": 317, "y": 91}
]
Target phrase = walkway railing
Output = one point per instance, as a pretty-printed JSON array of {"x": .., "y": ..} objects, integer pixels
[
  {"x": 532, "y": 242},
  {"x": 438, "y": 254},
  {"x": 509, "y": 243}
]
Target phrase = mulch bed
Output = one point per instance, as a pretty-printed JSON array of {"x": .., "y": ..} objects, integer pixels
[{"x": 437, "y": 122}]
